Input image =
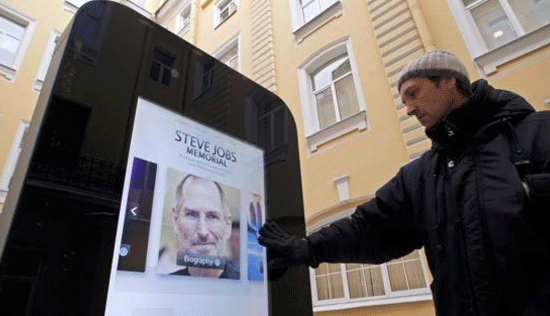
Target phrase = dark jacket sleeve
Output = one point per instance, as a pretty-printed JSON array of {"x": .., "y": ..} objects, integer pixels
[
  {"x": 539, "y": 199},
  {"x": 538, "y": 179},
  {"x": 379, "y": 230}
]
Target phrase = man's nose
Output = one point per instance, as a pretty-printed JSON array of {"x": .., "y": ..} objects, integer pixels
[
  {"x": 411, "y": 110},
  {"x": 202, "y": 229}
]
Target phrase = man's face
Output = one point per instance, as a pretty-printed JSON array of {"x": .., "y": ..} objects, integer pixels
[
  {"x": 429, "y": 103},
  {"x": 202, "y": 225}
]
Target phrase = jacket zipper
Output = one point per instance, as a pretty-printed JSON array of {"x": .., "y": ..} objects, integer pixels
[
  {"x": 482, "y": 212},
  {"x": 458, "y": 225}
]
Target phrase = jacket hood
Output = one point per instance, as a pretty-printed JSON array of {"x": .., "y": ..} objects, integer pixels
[{"x": 486, "y": 107}]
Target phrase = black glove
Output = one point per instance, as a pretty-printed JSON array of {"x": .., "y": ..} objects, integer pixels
[{"x": 288, "y": 250}]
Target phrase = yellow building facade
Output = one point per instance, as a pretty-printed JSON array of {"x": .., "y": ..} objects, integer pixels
[{"x": 335, "y": 63}]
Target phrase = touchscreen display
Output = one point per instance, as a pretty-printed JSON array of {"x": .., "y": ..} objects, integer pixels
[{"x": 186, "y": 242}]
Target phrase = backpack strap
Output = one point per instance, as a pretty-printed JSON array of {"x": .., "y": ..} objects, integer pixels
[{"x": 519, "y": 156}]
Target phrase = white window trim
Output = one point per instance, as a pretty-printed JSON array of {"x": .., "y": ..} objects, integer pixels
[
  {"x": 67, "y": 6},
  {"x": 228, "y": 45},
  {"x": 13, "y": 156},
  {"x": 315, "y": 137},
  {"x": 514, "y": 49},
  {"x": 139, "y": 3},
  {"x": 216, "y": 12},
  {"x": 46, "y": 60},
  {"x": 10, "y": 72},
  {"x": 302, "y": 29},
  {"x": 182, "y": 29},
  {"x": 416, "y": 295},
  {"x": 489, "y": 60},
  {"x": 71, "y": 7},
  {"x": 139, "y": 9}
]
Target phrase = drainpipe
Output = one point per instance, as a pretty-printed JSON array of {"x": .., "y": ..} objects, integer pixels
[{"x": 421, "y": 25}]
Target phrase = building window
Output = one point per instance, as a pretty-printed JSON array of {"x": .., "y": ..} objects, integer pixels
[
  {"x": 162, "y": 67},
  {"x": 312, "y": 8},
  {"x": 501, "y": 30},
  {"x": 15, "y": 34},
  {"x": 204, "y": 77},
  {"x": 334, "y": 91},
  {"x": 272, "y": 123},
  {"x": 223, "y": 10},
  {"x": 140, "y": 3},
  {"x": 46, "y": 61},
  {"x": 309, "y": 15},
  {"x": 229, "y": 53},
  {"x": 139, "y": 6},
  {"x": 331, "y": 97},
  {"x": 500, "y": 21},
  {"x": 73, "y": 5},
  {"x": 77, "y": 3},
  {"x": 352, "y": 282},
  {"x": 13, "y": 156},
  {"x": 183, "y": 20},
  {"x": 11, "y": 34}
]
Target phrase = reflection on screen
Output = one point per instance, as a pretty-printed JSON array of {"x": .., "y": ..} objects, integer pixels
[{"x": 191, "y": 195}]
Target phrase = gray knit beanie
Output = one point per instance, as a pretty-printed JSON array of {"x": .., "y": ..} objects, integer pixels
[{"x": 436, "y": 63}]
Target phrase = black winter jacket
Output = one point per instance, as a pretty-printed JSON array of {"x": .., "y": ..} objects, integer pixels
[{"x": 486, "y": 241}]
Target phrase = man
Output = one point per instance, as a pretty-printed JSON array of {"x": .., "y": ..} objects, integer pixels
[
  {"x": 476, "y": 201},
  {"x": 202, "y": 222}
]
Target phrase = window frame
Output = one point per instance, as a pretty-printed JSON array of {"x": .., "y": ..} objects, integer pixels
[
  {"x": 315, "y": 136},
  {"x": 139, "y": 8},
  {"x": 10, "y": 71},
  {"x": 226, "y": 47},
  {"x": 13, "y": 157},
  {"x": 46, "y": 60},
  {"x": 71, "y": 6},
  {"x": 318, "y": 6},
  {"x": 489, "y": 59},
  {"x": 221, "y": 5},
  {"x": 395, "y": 297},
  {"x": 204, "y": 78},
  {"x": 302, "y": 28},
  {"x": 165, "y": 69},
  {"x": 181, "y": 26},
  {"x": 139, "y": 3},
  {"x": 333, "y": 91}
]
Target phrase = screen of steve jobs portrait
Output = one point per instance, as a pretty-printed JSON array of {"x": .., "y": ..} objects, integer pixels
[{"x": 186, "y": 241}]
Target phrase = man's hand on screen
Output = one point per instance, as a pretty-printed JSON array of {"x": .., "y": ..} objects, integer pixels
[{"x": 287, "y": 250}]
